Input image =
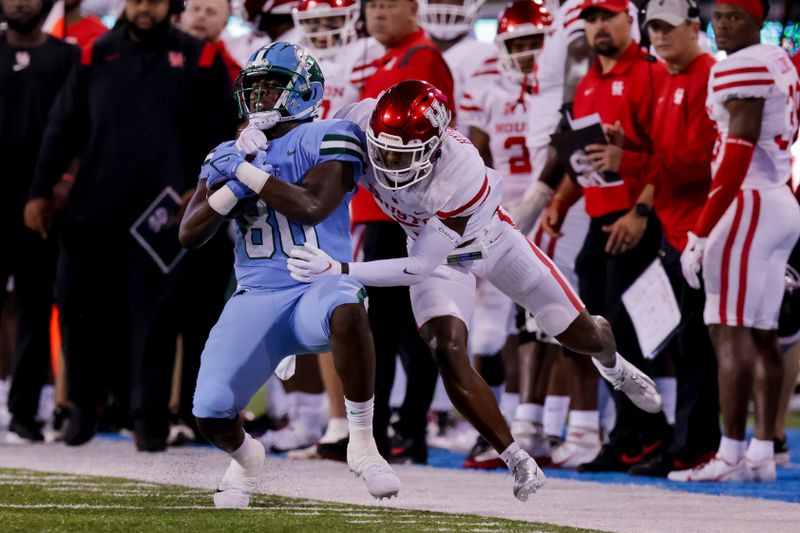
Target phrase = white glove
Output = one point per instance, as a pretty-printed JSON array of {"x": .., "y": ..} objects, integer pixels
[
  {"x": 526, "y": 212},
  {"x": 251, "y": 140},
  {"x": 692, "y": 259},
  {"x": 308, "y": 263}
]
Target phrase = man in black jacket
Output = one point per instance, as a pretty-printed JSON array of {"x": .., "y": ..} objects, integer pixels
[
  {"x": 33, "y": 67},
  {"x": 140, "y": 112}
]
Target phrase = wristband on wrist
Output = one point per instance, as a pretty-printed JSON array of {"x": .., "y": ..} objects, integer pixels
[
  {"x": 252, "y": 176},
  {"x": 223, "y": 201}
]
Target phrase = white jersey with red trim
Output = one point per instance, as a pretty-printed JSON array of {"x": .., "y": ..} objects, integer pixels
[
  {"x": 361, "y": 57},
  {"x": 759, "y": 71},
  {"x": 339, "y": 91},
  {"x": 500, "y": 108},
  {"x": 464, "y": 58},
  {"x": 459, "y": 186}
]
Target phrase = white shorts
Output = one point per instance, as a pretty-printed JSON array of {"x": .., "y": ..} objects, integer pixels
[
  {"x": 514, "y": 265},
  {"x": 493, "y": 320},
  {"x": 745, "y": 258}
]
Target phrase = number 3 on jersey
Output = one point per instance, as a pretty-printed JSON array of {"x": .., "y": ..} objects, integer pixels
[{"x": 260, "y": 236}]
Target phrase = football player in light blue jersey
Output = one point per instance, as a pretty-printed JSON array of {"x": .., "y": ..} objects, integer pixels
[{"x": 311, "y": 170}]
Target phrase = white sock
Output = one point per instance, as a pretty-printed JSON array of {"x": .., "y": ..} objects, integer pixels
[
  {"x": 732, "y": 451},
  {"x": 337, "y": 430},
  {"x": 760, "y": 450},
  {"x": 508, "y": 404},
  {"x": 530, "y": 412},
  {"x": 668, "y": 389},
  {"x": 248, "y": 454},
  {"x": 612, "y": 372},
  {"x": 509, "y": 452},
  {"x": 555, "y": 414},
  {"x": 585, "y": 420},
  {"x": 359, "y": 414},
  {"x": 307, "y": 410}
]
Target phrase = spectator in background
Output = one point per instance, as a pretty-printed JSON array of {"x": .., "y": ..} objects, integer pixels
[
  {"x": 683, "y": 142},
  {"x": 205, "y": 20},
  {"x": 271, "y": 21},
  {"x": 623, "y": 236},
  {"x": 141, "y": 111},
  {"x": 33, "y": 67},
  {"x": 409, "y": 55},
  {"x": 79, "y": 29}
]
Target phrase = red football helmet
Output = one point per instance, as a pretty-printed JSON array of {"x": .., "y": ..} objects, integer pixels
[
  {"x": 405, "y": 133},
  {"x": 522, "y": 19},
  {"x": 326, "y": 26}
]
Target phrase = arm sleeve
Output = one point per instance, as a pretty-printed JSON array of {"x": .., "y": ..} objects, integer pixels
[
  {"x": 736, "y": 157},
  {"x": 429, "y": 250},
  {"x": 66, "y": 132},
  {"x": 344, "y": 141}
]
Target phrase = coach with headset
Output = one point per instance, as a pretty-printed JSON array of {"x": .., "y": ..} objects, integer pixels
[{"x": 140, "y": 113}]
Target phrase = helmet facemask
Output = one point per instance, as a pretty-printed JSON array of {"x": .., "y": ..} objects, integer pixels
[
  {"x": 518, "y": 52},
  {"x": 445, "y": 20},
  {"x": 326, "y": 31},
  {"x": 397, "y": 165}
]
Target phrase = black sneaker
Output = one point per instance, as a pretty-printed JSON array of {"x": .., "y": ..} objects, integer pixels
[
  {"x": 483, "y": 457},
  {"x": 612, "y": 459},
  {"x": 81, "y": 426},
  {"x": 781, "y": 448},
  {"x": 404, "y": 451},
  {"x": 26, "y": 430},
  {"x": 334, "y": 451},
  {"x": 262, "y": 424},
  {"x": 659, "y": 466}
]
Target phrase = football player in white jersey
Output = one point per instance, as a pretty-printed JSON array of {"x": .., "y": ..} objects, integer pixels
[
  {"x": 269, "y": 20},
  {"x": 496, "y": 106},
  {"x": 748, "y": 227},
  {"x": 432, "y": 181},
  {"x": 449, "y": 24}
]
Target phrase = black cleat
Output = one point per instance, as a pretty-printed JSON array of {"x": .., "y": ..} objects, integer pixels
[
  {"x": 26, "y": 430},
  {"x": 81, "y": 426},
  {"x": 334, "y": 451}
]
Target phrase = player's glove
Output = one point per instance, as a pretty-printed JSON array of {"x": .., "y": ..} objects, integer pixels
[
  {"x": 527, "y": 211},
  {"x": 252, "y": 140},
  {"x": 225, "y": 159},
  {"x": 692, "y": 259},
  {"x": 308, "y": 263}
]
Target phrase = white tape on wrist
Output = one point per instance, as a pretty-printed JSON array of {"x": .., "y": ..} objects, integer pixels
[
  {"x": 223, "y": 201},
  {"x": 252, "y": 176}
]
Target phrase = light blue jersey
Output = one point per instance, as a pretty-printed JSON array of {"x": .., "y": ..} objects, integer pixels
[
  {"x": 265, "y": 236},
  {"x": 272, "y": 315}
]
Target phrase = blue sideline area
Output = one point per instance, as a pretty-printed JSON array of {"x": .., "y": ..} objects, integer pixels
[{"x": 786, "y": 489}]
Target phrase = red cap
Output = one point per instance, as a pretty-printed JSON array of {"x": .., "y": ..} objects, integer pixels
[{"x": 614, "y": 6}]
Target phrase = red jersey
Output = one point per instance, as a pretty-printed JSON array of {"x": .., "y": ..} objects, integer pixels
[
  {"x": 414, "y": 57},
  {"x": 625, "y": 94},
  {"x": 683, "y": 146},
  {"x": 86, "y": 30}
]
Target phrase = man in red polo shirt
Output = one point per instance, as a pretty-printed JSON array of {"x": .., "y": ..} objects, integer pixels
[
  {"x": 683, "y": 143},
  {"x": 623, "y": 236},
  {"x": 409, "y": 55}
]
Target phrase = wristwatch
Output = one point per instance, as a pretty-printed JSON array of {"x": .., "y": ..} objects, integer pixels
[{"x": 643, "y": 210}]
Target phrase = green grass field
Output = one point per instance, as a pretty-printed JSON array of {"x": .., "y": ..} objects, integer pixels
[{"x": 34, "y": 501}]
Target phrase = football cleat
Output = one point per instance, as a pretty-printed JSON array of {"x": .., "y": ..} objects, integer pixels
[
  {"x": 781, "y": 449},
  {"x": 581, "y": 446},
  {"x": 365, "y": 462},
  {"x": 716, "y": 469},
  {"x": 635, "y": 384},
  {"x": 528, "y": 477},
  {"x": 763, "y": 470},
  {"x": 294, "y": 436},
  {"x": 239, "y": 482}
]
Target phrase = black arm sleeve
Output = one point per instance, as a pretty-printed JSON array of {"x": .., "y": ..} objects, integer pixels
[{"x": 66, "y": 132}]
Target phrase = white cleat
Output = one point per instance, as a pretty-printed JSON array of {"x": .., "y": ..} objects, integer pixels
[
  {"x": 763, "y": 470},
  {"x": 239, "y": 482},
  {"x": 365, "y": 462},
  {"x": 635, "y": 384},
  {"x": 531, "y": 438},
  {"x": 294, "y": 436},
  {"x": 581, "y": 446},
  {"x": 716, "y": 469},
  {"x": 528, "y": 477}
]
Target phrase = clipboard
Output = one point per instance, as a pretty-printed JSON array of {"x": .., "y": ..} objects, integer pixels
[{"x": 571, "y": 146}]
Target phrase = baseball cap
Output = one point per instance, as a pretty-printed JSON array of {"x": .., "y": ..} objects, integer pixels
[
  {"x": 673, "y": 12},
  {"x": 614, "y": 6}
]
